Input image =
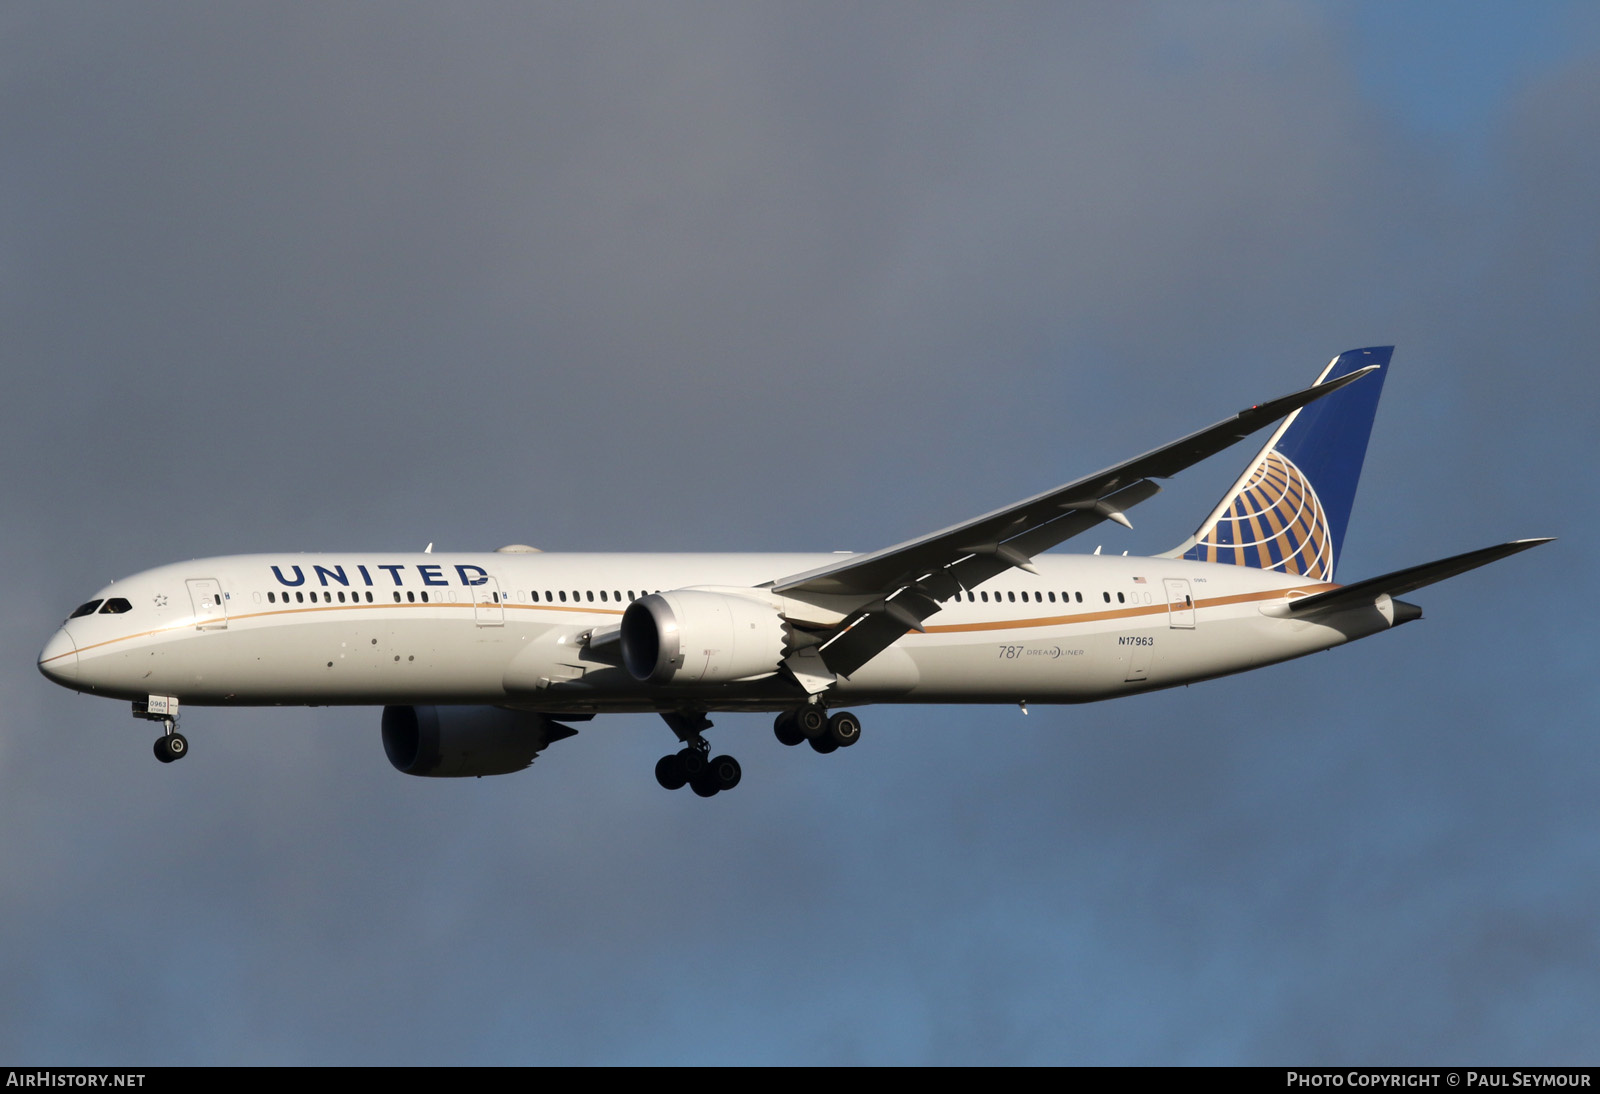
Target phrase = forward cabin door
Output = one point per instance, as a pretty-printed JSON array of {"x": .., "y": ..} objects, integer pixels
[
  {"x": 488, "y": 607},
  {"x": 210, "y": 611},
  {"x": 1180, "y": 603}
]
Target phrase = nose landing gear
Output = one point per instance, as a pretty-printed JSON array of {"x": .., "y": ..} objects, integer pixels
[{"x": 171, "y": 745}]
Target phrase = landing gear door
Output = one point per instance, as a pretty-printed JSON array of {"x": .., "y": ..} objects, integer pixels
[
  {"x": 488, "y": 608},
  {"x": 1180, "y": 603},
  {"x": 210, "y": 610}
]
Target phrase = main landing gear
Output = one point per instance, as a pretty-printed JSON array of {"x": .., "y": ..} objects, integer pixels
[
  {"x": 812, "y": 723},
  {"x": 171, "y": 745},
  {"x": 693, "y": 766}
]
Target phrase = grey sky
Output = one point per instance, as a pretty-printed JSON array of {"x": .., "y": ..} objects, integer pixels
[{"x": 801, "y": 277}]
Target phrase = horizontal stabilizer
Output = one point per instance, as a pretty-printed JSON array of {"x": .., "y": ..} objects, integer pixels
[{"x": 1403, "y": 581}]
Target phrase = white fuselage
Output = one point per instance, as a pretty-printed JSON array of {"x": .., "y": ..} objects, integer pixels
[{"x": 512, "y": 629}]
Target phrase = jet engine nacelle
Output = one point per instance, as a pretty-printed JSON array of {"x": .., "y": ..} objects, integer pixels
[
  {"x": 462, "y": 741},
  {"x": 697, "y": 636}
]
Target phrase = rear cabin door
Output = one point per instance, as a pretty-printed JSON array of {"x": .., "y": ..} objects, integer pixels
[{"x": 1180, "y": 603}]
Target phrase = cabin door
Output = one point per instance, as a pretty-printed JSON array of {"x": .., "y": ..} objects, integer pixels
[
  {"x": 1180, "y": 603},
  {"x": 210, "y": 610},
  {"x": 488, "y": 607}
]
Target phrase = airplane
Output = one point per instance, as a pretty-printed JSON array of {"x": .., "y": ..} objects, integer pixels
[{"x": 480, "y": 661}]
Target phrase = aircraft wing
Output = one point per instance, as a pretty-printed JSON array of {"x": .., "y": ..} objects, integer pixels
[
  {"x": 909, "y": 579},
  {"x": 1362, "y": 593}
]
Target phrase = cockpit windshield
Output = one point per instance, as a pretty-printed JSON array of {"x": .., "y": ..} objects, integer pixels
[{"x": 115, "y": 606}]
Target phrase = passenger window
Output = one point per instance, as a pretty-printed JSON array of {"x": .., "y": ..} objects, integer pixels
[
  {"x": 369, "y": 596},
  {"x": 1052, "y": 598},
  {"x": 985, "y": 596},
  {"x": 272, "y": 598},
  {"x": 1080, "y": 598},
  {"x": 563, "y": 596},
  {"x": 299, "y": 598},
  {"x": 424, "y": 596},
  {"x": 1120, "y": 600},
  {"x": 591, "y": 596},
  {"x": 341, "y": 597},
  {"x": 1107, "y": 596},
  {"x": 602, "y": 595},
  {"x": 397, "y": 596},
  {"x": 411, "y": 597},
  {"x": 615, "y": 595}
]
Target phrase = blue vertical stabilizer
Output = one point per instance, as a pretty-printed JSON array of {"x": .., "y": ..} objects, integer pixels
[{"x": 1289, "y": 510}]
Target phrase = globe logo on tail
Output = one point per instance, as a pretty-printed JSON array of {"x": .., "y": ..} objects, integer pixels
[{"x": 1274, "y": 522}]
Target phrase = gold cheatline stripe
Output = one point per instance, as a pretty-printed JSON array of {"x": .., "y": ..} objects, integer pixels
[
  {"x": 1124, "y": 613},
  {"x": 194, "y": 625},
  {"x": 951, "y": 628}
]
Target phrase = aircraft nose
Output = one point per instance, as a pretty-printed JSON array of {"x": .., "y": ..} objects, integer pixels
[{"x": 59, "y": 658}]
